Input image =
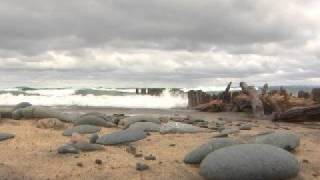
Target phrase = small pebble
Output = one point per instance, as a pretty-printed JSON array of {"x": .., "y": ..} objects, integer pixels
[
  {"x": 79, "y": 164},
  {"x": 142, "y": 167},
  {"x": 98, "y": 161},
  {"x": 138, "y": 155},
  {"x": 150, "y": 157}
]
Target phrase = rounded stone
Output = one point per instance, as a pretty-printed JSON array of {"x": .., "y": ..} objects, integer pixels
[
  {"x": 93, "y": 138},
  {"x": 198, "y": 154},
  {"x": 85, "y": 146},
  {"x": 5, "y": 136},
  {"x": 120, "y": 137},
  {"x": 81, "y": 129},
  {"x": 93, "y": 120},
  {"x": 68, "y": 149},
  {"x": 249, "y": 162},
  {"x": 126, "y": 122},
  {"x": 285, "y": 140},
  {"x": 146, "y": 126},
  {"x": 48, "y": 123}
]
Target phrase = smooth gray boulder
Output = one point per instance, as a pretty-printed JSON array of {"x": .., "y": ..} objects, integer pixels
[
  {"x": 5, "y": 136},
  {"x": 145, "y": 126},
  {"x": 68, "y": 149},
  {"x": 93, "y": 120},
  {"x": 85, "y": 146},
  {"x": 123, "y": 136},
  {"x": 101, "y": 115},
  {"x": 285, "y": 140},
  {"x": 230, "y": 131},
  {"x": 126, "y": 122},
  {"x": 177, "y": 127},
  {"x": 198, "y": 154},
  {"x": 81, "y": 129},
  {"x": 249, "y": 162}
]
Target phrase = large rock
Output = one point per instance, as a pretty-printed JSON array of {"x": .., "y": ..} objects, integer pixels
[
  {"x": 93, "y": 120},
  {"x": 81, "y": 129},
  {"x": 284, "y": 140},
  {"x": 198, "y": 154},
  {"x": 145, "y": 126},
  {"x": 48, "y": 123},
  {"x": 5, "y": 136},
  {"x": 126, "y": 122},
  {"x": 85, "y": 146},
  {"x": 177, "y": 127},
  {"x": 123, "y": 136},
  {"x": 249, "y": 162}
]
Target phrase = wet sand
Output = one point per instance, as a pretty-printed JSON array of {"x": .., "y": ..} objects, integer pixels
[{"x": 32, "y": 154}]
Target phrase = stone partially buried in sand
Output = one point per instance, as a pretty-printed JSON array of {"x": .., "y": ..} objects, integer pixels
[
  {"x": 68, "y": 149},
  {"x": 198, "y": 154},
  {"x": 85, "y": 146},
  {"x": 120, "y": 137},
  {"x": 48, "y": 123},
  {"x": 5, "y": 136},
  {"x": 145, "y": 126},
  {"x": 93, "y": 120},
  {"x": 126, "y": 122},
  {"x": 177, "y": 127},
  {"x": 284, "y": 140},
  {"x": 81, "y": 129},
  {"x": 249, "y": 162}
]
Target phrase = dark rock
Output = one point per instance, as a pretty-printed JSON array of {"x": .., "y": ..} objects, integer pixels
[
  {"x": 150, "y": 157},
  {"x": 126, "y": 122},
  {"x": 284, "y": 140},
  {"x": 93, "y": 138},
  {"x": 145, "y": 126},
  {"x": 172, "y": 145},
  {"x": 220, "y": 135},
  {"x": 5, "y": 136},
  {"x": 93, "y": 120},
  {"x": 120, "y": 137},
  {"x": 68, "y": 148},
  {"x": 249, "y": 162},
  {"x": 82, "y": 129},
  {"x": 138, "y": 155},
  {"x": 85, "y": 146},
  {"x": 80, "y": 164},
  {"x": 198, "y": 154},
  {"x": 17, "y": 114},
  {"x": 177, "y": 127},
  {"x": 98, "y": 161},
  {"x": 142, "y": 167}
]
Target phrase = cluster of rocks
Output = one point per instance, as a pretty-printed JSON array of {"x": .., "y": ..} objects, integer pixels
[{"x": 264, "y": 157}]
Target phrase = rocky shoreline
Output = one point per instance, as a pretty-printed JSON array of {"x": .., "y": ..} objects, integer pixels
[{"x": 162, "y": 145}]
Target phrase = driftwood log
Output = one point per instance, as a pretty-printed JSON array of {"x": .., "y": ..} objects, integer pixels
[
  {"x": 298, "y": 114},
  {"x": 256, "y": 103}
]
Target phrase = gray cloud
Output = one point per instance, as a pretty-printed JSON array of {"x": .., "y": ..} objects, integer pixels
[{"x": 165, "y": 43}]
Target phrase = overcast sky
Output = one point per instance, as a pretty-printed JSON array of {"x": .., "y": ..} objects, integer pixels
[{"x": 180, "y": 43}]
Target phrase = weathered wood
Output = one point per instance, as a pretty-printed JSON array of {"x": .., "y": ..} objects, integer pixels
[
  {"x": 226, "y": 97},
  {"x": 297, "y": 114},
  {"x": 256, "y": 103}
]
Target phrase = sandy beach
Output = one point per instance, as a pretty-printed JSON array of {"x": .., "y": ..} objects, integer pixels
[{"x": 32, "y": 154}]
